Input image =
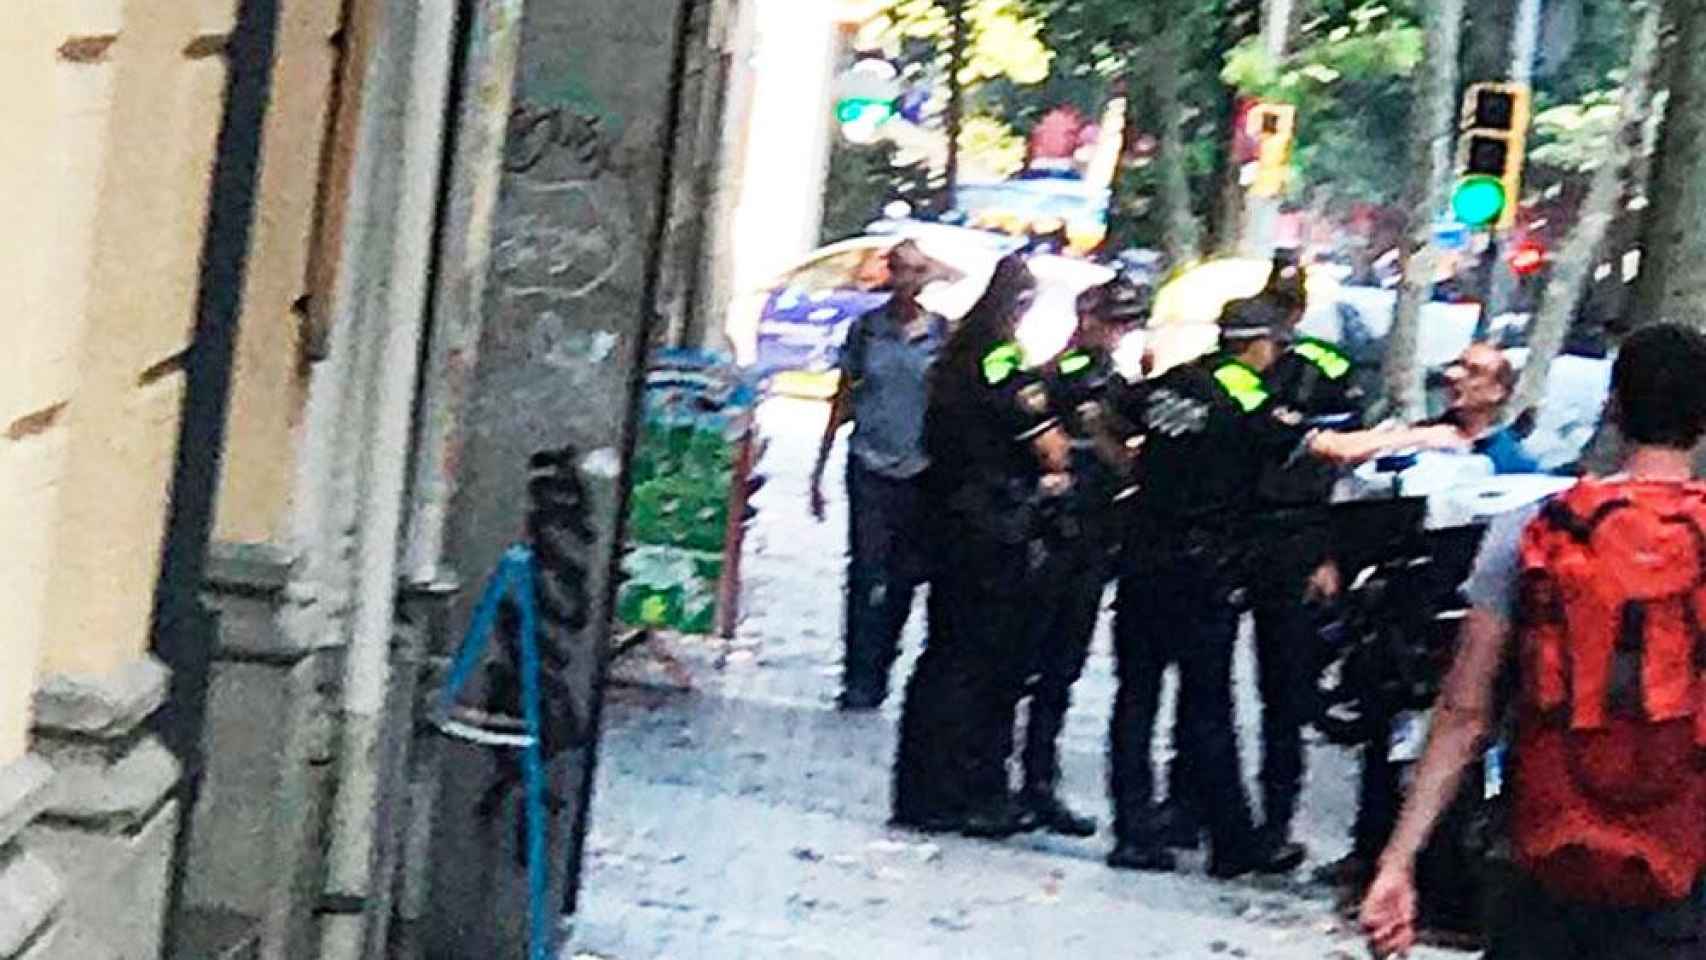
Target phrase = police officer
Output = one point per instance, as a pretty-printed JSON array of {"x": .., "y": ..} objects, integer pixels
[
  {"x": 1210, "y": 426},
  {"x": 993, "y": 444},
  {"x": 1298, "y": 573},
  {"x": 1078, "y": 538}
]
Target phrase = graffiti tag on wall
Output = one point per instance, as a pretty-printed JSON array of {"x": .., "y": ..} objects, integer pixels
[
  {"x": 571, "y": 137},
  {"x": 571, "y": 233}
]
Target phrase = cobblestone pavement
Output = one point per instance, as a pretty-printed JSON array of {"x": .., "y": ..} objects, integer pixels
[{"x": 738, "y": 816}]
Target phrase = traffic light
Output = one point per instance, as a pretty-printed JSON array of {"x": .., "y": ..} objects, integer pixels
[
  {"x": 1270, "y": 126},
  {"x": 1527, "y": 258},
  {"x": 866, "y": 98},
  {"x": 1491, "y": 154}
]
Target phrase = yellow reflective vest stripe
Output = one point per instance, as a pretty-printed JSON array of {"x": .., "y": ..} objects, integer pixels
[
  {"x": 1074, "y": 361},
  {"x": 1243, "y": 385},
  {"x": 1001, "y": 362},
  {"x": 1328, "y": 359}
]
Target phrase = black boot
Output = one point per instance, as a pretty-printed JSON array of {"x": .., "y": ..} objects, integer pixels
[
  {"x": 1262, "y": 853},
  {"x": 1277, "y": 839},
  {"x": 1056, "y": 817},
  {"x": 1351, "y": 873},
  {"x": 859, "y": 700},
  {"x": 1177, "y": 828},
  {"x": 1141, "y": 855},
  {"x": 996, "y": 820}
]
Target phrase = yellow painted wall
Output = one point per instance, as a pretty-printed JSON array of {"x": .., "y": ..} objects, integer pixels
[
  {"x": 269, "y": 386},
  {"x": 48, "y": 174},
  {"x": 153, "y": 129}
]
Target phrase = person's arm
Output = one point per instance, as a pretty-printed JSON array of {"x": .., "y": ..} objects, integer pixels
[
  {"x": 1349, "y": 449},
  {"x": 840, "y": 411},
  {"x": 840, "y": 408},
  {"x": 1462, "y": 718}
]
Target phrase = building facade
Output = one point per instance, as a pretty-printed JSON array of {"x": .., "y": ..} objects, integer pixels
[{"x": 254, "y": 411}]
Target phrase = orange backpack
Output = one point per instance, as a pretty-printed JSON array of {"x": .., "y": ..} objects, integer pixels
[{"x": 1609, "y": 799}]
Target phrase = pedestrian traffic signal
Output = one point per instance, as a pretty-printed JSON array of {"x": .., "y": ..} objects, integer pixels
[
  {"x": 866, "y": 98},
  {"x": 1491, "y": 154},
  {"x": 1528, "y": 257},
  {"x": 856, "y": 110}
]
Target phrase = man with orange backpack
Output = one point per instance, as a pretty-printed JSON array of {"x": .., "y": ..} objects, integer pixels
[{"x": 1597, "y": 599}]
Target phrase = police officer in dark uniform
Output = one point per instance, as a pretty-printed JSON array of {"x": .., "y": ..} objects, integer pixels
[
  {"x": 1210, "y": 427},
  {"x": 993, "y": 444},
  {"x": 1079, "y": 538},
  {"x": 1298, "y": 572}
]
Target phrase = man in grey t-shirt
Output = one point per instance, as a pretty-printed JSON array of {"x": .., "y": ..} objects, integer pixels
[
  {"x": 1659, "y": 402},
  {"x": 885, "y": 366}
]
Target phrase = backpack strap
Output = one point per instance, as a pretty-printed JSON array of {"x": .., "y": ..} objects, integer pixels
[
  {"x": 1691, "y": 526},
  {"x": 1558, "y": 514}
]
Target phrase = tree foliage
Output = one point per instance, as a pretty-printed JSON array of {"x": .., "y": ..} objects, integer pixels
[
  {"x": 1573, "y": 138},
  {"x": 1349, "y": 75},
  {"x": 1002, "y": 42}
]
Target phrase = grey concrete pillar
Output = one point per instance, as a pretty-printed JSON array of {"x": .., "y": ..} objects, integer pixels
[
  {"x": 267, "y": 743},
  {"x": 568, "y": 315},
  {"x": 110, "y": 815}
]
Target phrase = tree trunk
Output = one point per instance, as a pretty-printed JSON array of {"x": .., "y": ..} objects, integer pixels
[
  {"x": 1182, "y": 235},
  {"x": 1604, "y": 199},
  {"x": 1241, "y": 19},
  {"x": 1431, "y": 137},
  {"x": 956, "y": 98},
  {"x": 1672, "y": 285}
]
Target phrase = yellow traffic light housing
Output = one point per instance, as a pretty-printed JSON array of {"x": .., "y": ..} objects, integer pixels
[
  {"x": 1491, "y": 154},
  {"x": 1271, "y": 126}
]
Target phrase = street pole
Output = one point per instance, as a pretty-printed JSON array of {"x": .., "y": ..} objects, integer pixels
[
  {"x": 956, "y": 98},
  {"x": 1276, "y": 26},
  {"x": 1525, "y": 44}
]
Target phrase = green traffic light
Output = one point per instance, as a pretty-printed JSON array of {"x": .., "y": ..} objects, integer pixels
[
  {"x": 1478, "y": 200},
  {"x": 876, "y": 112}
]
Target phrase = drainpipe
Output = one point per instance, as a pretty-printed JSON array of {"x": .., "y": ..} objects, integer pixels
[
  {"x": 352, "y": 912},
  {"x": 184, "y": 631}
]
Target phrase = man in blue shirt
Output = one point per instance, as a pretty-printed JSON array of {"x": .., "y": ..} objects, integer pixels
[
  {"x": 1479, "y": 384},
  {"x": 885, "y": 365}
]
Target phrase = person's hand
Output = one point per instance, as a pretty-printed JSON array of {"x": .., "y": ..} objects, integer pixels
[
  {"x": 819, "y": 506},
  {"x": 1324, "y": 584},
  {"x": 1389, "y": 912},
  {"x": 1054, "y": 484}
]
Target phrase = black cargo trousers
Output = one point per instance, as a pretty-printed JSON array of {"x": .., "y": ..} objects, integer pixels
[{"x": 1178, "y": 607}]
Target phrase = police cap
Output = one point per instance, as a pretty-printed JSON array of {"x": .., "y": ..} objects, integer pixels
[
  {"x": 1122, "y": 300},
  {"x": 1253, "y": 318}
]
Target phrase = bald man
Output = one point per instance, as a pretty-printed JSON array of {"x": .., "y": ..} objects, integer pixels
[{"x": 1478, "y": 385}]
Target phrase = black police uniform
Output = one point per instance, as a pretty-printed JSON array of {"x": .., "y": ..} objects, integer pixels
[
  {"x": 1209, "y": 428},
  {"x": 1312, "y": 378},
  {"x": 1078, "y": 535},
  {"x": 1293, "y": 536},
  {"x": 979, "y": 428}
]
